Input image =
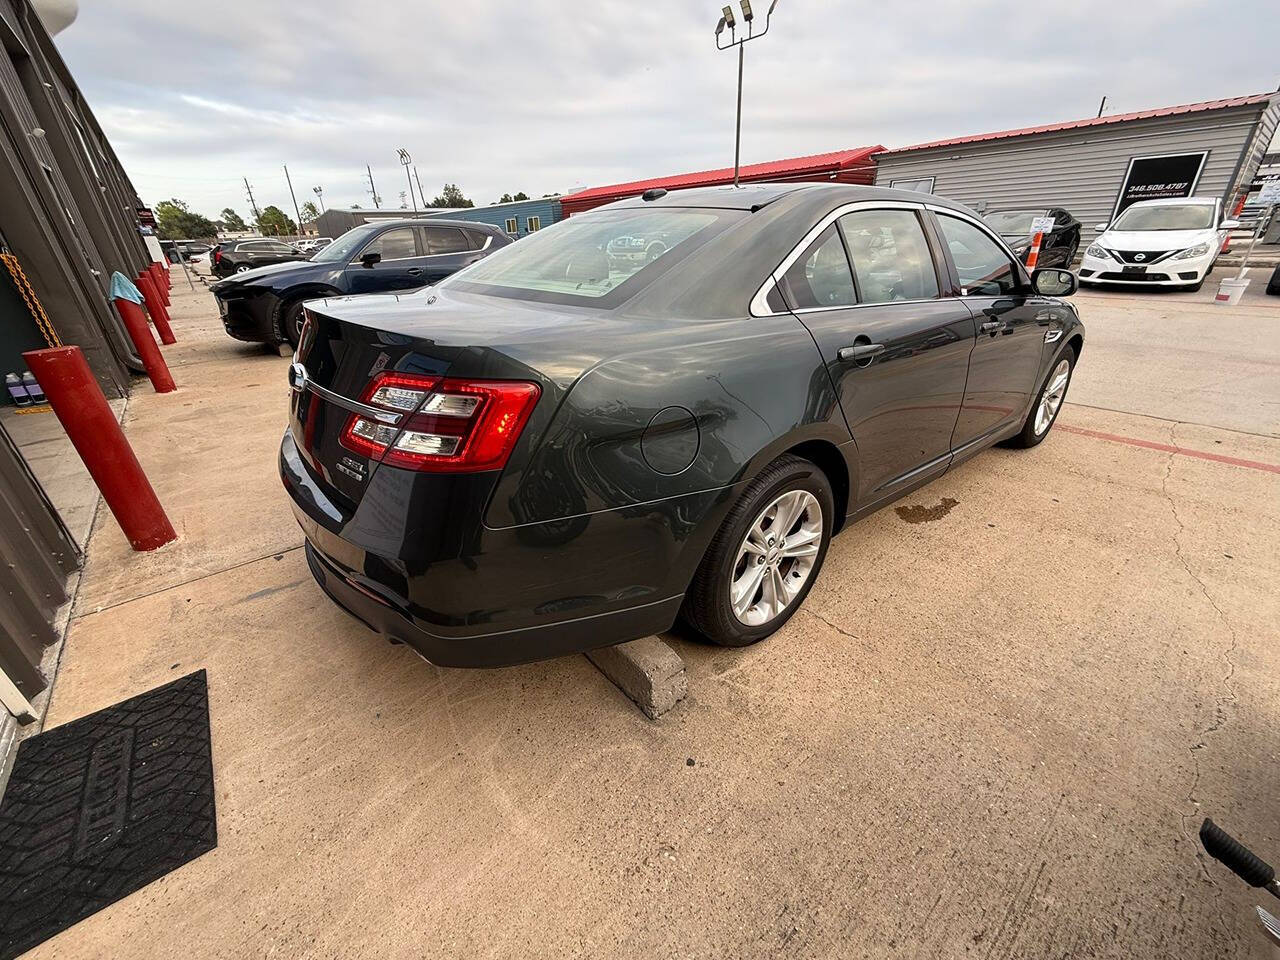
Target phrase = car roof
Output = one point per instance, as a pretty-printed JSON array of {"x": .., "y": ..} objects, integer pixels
[
  {"x": 756, "y": 196},
  {"x": 425, "y": 222}
]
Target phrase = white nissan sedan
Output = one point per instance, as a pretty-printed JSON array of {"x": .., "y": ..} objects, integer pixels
[{"x": 1167, "y": 243}]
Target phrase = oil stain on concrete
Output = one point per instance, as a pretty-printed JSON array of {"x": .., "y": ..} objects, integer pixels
[{"x": 919, "y": 513}]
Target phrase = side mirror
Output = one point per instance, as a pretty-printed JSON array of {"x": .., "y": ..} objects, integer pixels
[
  {"x": 1101, "y": 226},
  {"x": 369, "y": 259},
  {"x": 1052, "y": 282},
  {"x": 1229, "y": 225}
]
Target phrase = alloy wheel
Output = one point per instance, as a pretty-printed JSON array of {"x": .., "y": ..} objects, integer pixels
[
  {"x": 776, "y": 558},
  {"x": 1051, "y": 399}
]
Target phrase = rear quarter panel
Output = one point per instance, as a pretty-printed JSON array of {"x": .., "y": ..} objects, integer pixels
[{"x": 727, "y": 391}]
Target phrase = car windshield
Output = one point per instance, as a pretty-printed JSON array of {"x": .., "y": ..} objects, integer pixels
[
  {"x": 1179, "y": 216},
  {"x": 588, "y": 256},
  {"x": 345, "y": 246},
  {"x": 1012, "y": 223}
]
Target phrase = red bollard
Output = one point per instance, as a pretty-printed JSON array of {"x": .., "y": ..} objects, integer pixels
[
  {"x": 92, "y": 429},
  {"x": 159, "y": 275},
  {"x": 159, "y": 316},
  {"x": 135, "y": 321}
]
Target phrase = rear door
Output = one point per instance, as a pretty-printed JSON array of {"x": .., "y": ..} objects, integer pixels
[
  {"x": 1012, "y": 321},
  {"x": 401, "y": 267},
  {"x": 449, "y": 249},
  {"x": 895, "y": 343}
]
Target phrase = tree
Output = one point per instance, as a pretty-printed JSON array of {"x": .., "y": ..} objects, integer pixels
[
  {"x": 232, "y": 220},
  {"x": 175, "y": 221},
  {"x": 274, "y": 222},
  {"x": 309, "y": 212},
  {"x": 508, "y": 198},
  {"x": 451, "y": 196}
]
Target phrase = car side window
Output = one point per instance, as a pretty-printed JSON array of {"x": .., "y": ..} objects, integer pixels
[
  {"x": 446, "y": 240},
  {"x": 395, "y": 244},
  {"x": 984, "y": 268},
  {"x": 821, "y": 277},
  {"x": 890, "y": 254},
  {"x": 278, "y": 247}
]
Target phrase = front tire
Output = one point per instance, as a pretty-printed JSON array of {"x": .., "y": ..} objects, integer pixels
[
  {"x": 291, "y": 322},
  {"x": 1053, "y": 394},
  {"x": 765, "y": 557}
]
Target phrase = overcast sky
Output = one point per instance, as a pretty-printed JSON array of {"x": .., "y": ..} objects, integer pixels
[{"x": 551, "y": 95}]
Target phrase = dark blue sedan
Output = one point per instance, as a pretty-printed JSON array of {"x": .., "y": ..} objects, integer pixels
[{"x": 265, "y": 305}]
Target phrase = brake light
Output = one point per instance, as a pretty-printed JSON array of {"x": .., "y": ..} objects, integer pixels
[
  {"x": 452, "y": 425},
  {"x": 217, "y": 254}
]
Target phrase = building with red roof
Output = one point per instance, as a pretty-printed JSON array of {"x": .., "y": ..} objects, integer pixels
[{"x": 840, "y": 166}]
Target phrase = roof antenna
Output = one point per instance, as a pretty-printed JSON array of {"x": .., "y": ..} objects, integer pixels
[{"x": 1102, "y": 106}]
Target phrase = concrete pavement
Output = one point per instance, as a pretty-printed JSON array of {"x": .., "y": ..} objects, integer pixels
[{"x": 989, "y": 735}]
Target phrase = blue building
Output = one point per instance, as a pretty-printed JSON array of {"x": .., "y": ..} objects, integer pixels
[{"x": 518, "y": 218}]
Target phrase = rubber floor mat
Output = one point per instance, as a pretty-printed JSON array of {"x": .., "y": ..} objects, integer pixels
[{"x": 99, "y": 807}]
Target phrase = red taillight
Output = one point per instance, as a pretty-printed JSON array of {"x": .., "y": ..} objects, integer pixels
[
  {"x": 452, "y": 425},
  {"x": 217, "y": 254}
]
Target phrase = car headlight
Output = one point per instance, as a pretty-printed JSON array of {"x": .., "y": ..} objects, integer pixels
[
  {"x": 1199, "y": 250},
  {"x": 1094, "y": 250}
]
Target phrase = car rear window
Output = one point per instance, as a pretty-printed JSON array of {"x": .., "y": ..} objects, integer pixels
[{"x": 590, "y": 256}]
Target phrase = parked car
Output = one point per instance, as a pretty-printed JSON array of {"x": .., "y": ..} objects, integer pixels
[
  {"x": 177, "y": 250},
  {"x": 312, "y": 244},
  {"x": 546, "y": 452},
  {"x": 241, "y": 256},
  {"x": 265, "y": 305},
  {"x": 1169, "y": 243},
  {"x": 1057, "y": 247}
]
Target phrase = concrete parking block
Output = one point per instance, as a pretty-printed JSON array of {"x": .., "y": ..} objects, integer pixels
[{"x": 646, "y": 670}]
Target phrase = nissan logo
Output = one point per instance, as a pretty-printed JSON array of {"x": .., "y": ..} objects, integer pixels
[
  {"x": 1136, "y": 256},
  {"x": 297, "y": 377}
]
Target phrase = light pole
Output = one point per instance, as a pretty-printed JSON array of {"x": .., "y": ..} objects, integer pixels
[
  {"x": 728, "y": 20},
  {"x": 405, "y": 161},
  {"x": 319, "y": 192}
]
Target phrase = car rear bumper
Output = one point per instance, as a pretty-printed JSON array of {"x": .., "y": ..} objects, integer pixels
[
  {"x": 502, "y": 596},
  {"x": 476, "y": 648}
]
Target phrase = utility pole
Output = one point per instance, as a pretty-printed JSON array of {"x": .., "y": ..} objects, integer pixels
[
  {"x": 420, "y": 193},
  {"x": 319, "y": 192},
  {"x": 296, "y": 212},
  {"x": 253, "y": 204},
  {"x": 731, "y": 22},
  {"x": 373, "y": 191},
  {"x": 405, "y": 160}
]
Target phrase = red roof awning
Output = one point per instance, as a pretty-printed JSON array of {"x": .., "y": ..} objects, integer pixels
[
  {"x": 845, "y": 166},
  {"x": 1090, "y": 122}
]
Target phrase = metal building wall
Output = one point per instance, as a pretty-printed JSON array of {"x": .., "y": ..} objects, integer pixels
[
  {"x": 1081, "y": 170},
  {"x": 497, "y": 214},
  {"x": 39, "y": 554}
]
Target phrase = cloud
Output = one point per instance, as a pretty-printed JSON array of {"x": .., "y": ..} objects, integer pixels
[{"x": 545, "y": 96}]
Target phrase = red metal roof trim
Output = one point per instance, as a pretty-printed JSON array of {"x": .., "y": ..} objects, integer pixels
[
  {"x": 1090, "y": 122},
  {"x": 815, "y": 164}
]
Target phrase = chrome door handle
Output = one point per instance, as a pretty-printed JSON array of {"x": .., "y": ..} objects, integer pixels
[
  {"x": 414, "y": 271},
  {"x": 860, "y": 351},
  {"x": 991, "y": 326}
]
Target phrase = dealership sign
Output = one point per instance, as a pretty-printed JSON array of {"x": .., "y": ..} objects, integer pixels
[{"x": 1155, "y": 178}]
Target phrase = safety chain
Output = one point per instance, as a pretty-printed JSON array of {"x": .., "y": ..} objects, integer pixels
[{"x": 33, "y": 302}]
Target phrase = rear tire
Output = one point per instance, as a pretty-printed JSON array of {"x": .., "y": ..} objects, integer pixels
[
  {"x": 786, "y": 574},
  {"x": 1040, "y": 421}
]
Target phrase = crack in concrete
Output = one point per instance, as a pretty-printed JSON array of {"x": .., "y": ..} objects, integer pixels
[
  {"x": 1228, "y": 657},
  {"x": 835, "y": 627}
]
